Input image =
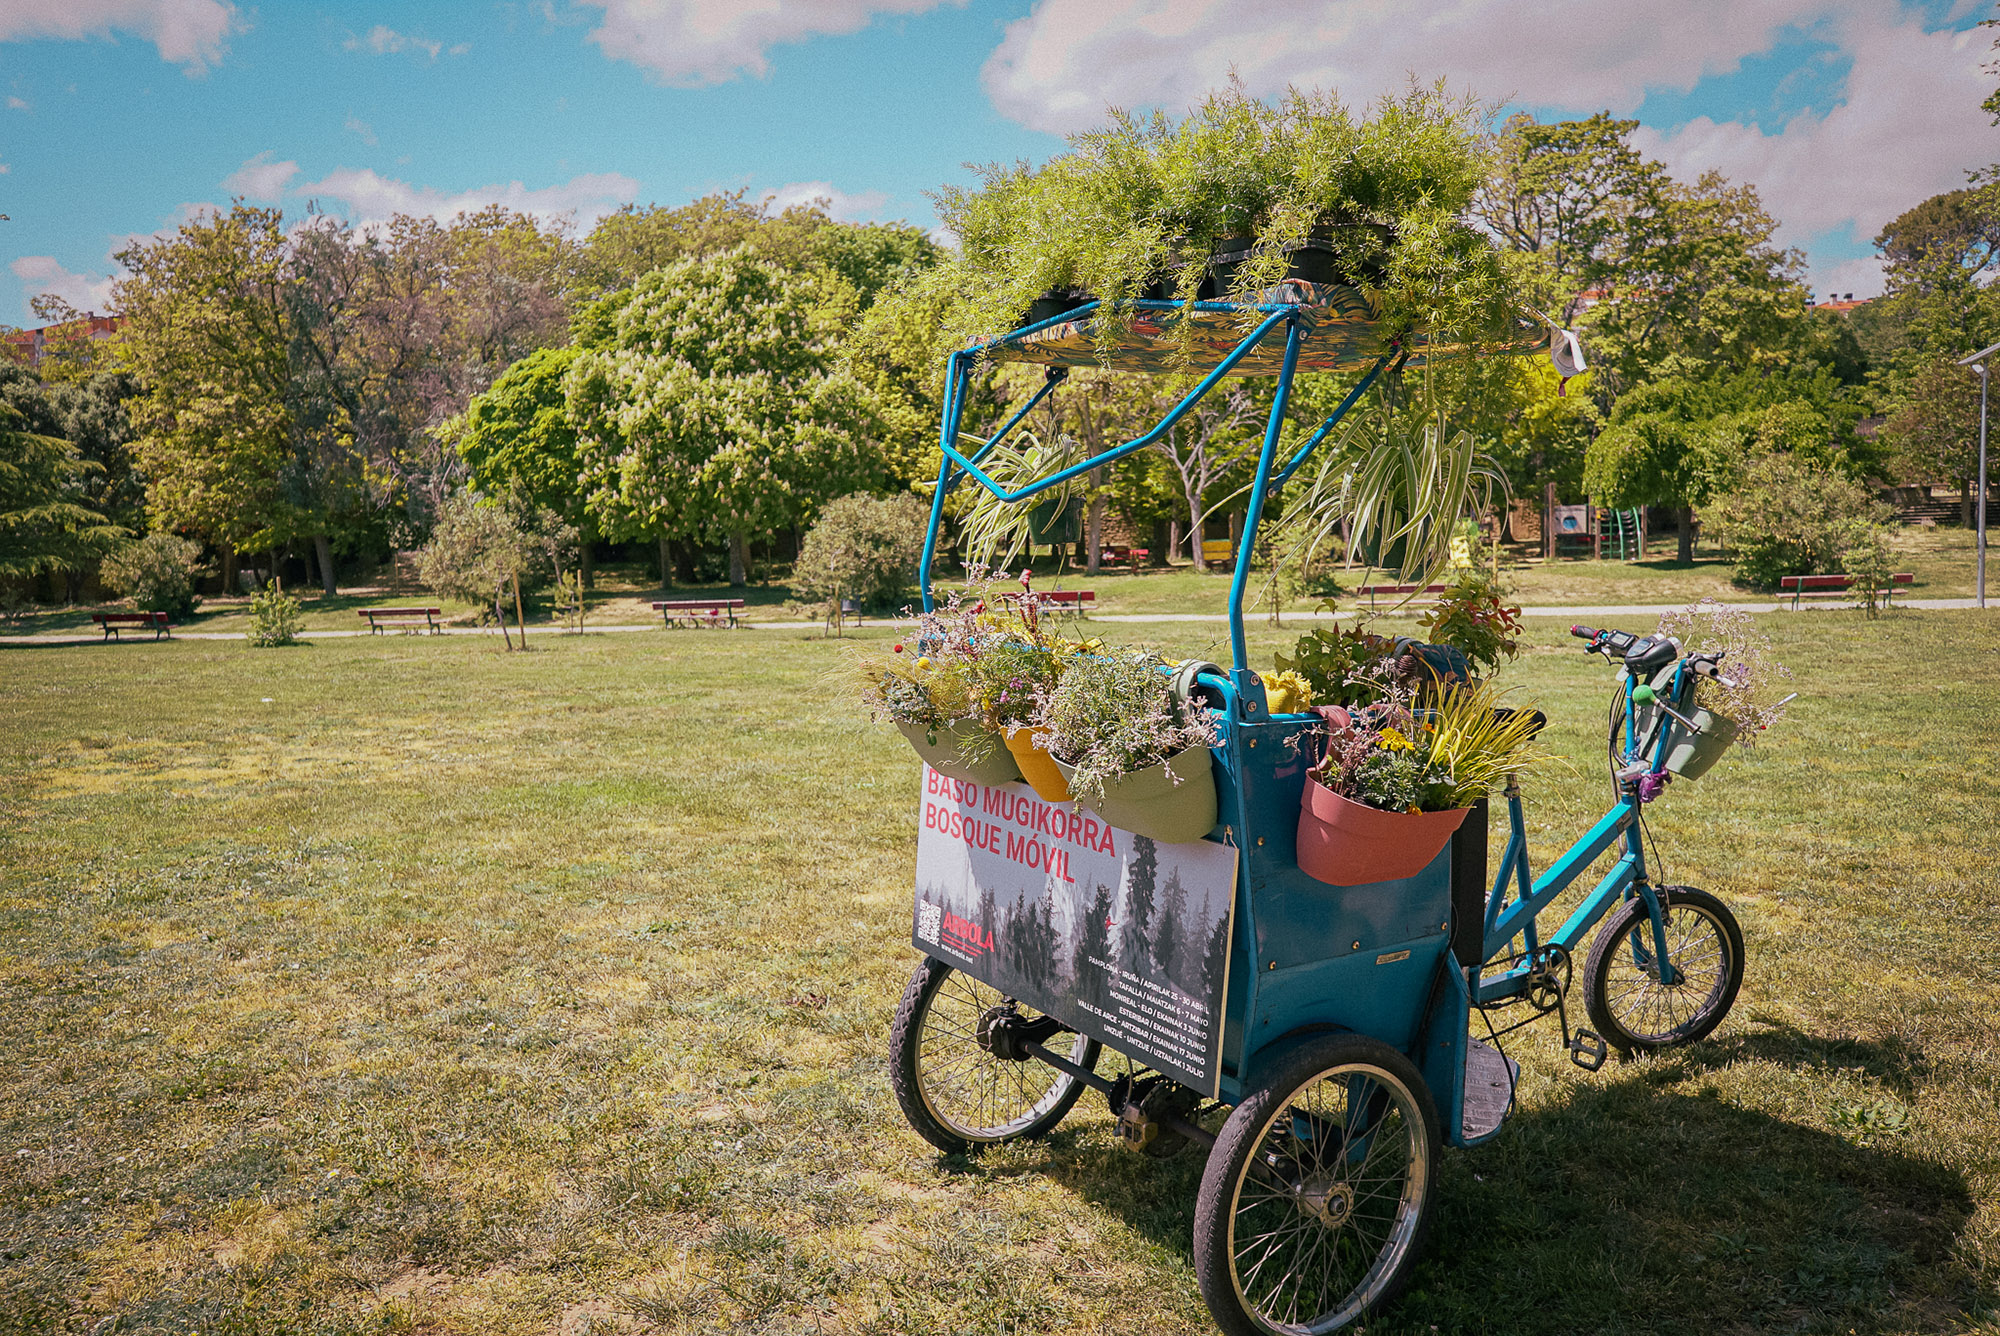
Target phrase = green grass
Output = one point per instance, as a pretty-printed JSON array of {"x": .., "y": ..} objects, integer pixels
[{"x": 407, "y": 985}]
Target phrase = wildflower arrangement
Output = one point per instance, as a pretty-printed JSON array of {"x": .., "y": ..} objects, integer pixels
[
  {"x": 1113, "y": 714},
  {"x": 1391, "y": 757},
  {"x": 1351, "y": 667},
  {"x": 1747, "y": 689}
]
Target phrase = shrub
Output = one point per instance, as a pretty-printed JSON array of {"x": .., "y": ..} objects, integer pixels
[
  {"x": 156, "y": 573},
  {"x": 275, "y": 618},
  {"x": 1790, "y": 517},
  {"x": 1871, "y": 563},
  {"x": 864, "y": 548},
  {"x": 1473, "y": 619}
]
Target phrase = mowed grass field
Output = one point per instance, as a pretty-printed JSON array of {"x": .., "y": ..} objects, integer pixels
[{"x": 405, "y": 985}]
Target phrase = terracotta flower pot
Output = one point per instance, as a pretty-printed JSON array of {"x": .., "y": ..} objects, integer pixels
[
  {"x": 1037, "y": 766},
  {"x": 944, "y": 750},
  {"x": 1346, "y": 843},
  {"x": 1148, "y": 802}
]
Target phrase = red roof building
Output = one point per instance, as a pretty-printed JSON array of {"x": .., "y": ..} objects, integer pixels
[{"x": 28, "y": 347}]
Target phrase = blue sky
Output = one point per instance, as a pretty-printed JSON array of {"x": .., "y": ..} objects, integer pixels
[{"x": 119, "y": 117}]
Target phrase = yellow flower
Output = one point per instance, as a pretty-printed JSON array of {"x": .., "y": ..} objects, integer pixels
[
  {"x": 1287, "y": 692},
  {"x": 1391, "y": 740},
  {"x": 923, "y": 663}
]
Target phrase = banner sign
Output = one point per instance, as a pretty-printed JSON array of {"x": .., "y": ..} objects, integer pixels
[{"x": 1114, "y": 934}]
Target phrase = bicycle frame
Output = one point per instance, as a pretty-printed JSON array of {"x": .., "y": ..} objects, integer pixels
[{"x": 1506, "y": 920}]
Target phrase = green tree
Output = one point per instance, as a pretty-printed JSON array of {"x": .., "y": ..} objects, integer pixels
[
  {"x": 716, "y": 408},
  {"x": 1573, "y": 194},
  {"x": 1935, "y": 433},
  {"x": 1698, "y": 278},
  {"x": 208, "y": 332},
  {"x": 517, "y": 440},
  {"x": 44, "y": 523},
  {"x": 1787, "y": 515},
  {"x": 1936, "y": 256},
  {"x": 476, "y": 553}
]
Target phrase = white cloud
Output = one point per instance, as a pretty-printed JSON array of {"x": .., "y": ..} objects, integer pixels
[
  {"x": 17, "y": 104},
  {"x": 383, "y": 40},
  {"x": 370, "y": 198},
  {"x": 1862, "y": 277},
  {"x": 183, "y": 213},
  {"x": 260, "y": 178},
  {"x": 1059, "y": 67},
  {"x": 694, "y": 43},
  {"x": 356, "y": 126},
  {"x": 1907, "y": 127},
  {"x": 861, "y": 206},
  {"x": 41, "y": 273},
  {"x": 190, "y": 33}
]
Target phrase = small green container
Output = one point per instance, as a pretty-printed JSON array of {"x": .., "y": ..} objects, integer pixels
[
  {"x": 944, "y": 750},
  {"x": 1148, "y": 802},
  {"x": 1692, "y": 756}
]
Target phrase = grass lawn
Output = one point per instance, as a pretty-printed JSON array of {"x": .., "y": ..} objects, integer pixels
[
  {"x": 406, "y": 985},
  {"x": 1940, "y": 559}
]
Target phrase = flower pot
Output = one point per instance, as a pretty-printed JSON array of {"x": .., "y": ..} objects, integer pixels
[
  {"x": 1346, "y": 843},
  {"x": 943, "y": 750},
  {"x": 1693, "y": 756},
  {"x": 1052, "y": 304},
  {"x": 1148, "y": 802},
  {"x": 1037, "y": 766}
]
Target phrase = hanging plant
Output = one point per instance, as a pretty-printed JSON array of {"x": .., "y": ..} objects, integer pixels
[{"x": 1228, "y": 201}]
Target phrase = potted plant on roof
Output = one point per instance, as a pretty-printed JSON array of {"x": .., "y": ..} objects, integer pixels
[
  {"x": 1229, "y": 201},
  {"x": 1392, "y": 784},
  {"x": 1130, "y": 749}
]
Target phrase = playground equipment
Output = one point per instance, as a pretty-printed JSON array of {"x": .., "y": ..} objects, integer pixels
[{"x": 1335, "y": 1022}]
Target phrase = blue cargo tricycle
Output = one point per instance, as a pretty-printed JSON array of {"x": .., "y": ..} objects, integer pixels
[{"x": 1335, "y": 1022}]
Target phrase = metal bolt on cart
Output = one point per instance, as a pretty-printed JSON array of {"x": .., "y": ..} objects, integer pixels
[{"x": 1336, "y": 1022}]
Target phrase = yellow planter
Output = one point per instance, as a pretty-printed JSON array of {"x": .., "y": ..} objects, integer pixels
[{"x": 1037, "y": 766}]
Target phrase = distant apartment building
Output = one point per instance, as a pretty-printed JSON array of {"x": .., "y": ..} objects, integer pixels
[{"x": 27, "y": 347}]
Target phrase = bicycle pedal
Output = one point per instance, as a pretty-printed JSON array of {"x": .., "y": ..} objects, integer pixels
[{"x": 1588, "y": 1050}]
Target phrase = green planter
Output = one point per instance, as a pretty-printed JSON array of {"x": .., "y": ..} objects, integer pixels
[
  {"x": 1148, "y": 802},
  {"x": 944, "y": 750},
  {"x": 1691, "y": 757}
]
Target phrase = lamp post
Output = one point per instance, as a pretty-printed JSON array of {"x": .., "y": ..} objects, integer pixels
[{"x": 1978, "y": 360}]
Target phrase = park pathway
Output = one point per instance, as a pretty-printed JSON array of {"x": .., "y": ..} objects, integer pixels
[{"x": 1565, "y": 611}]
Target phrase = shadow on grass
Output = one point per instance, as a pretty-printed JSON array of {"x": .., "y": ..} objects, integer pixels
[{"x": 1645, "y": 1202}]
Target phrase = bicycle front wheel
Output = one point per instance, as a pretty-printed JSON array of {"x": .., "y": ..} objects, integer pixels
[{"x": 1638, "y": 1006}]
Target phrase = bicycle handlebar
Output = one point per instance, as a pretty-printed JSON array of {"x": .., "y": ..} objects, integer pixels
[{"x": 1607, "y": 643}]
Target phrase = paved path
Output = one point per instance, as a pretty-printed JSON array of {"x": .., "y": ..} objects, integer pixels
[{"x": 1605, "y": 610}]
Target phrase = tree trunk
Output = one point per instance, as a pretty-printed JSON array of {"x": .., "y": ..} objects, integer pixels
[
  {"x": 666, "y": 565},
  {"x": 739, "y": 558},
  {"x": 1687, "y": 535},
  {"x": 229, "y": 589},
  {"x": 1197, "y": 531},
  {"x": 520, "y": 617},
  {"x": 500, "y": 616},
  {"x": 1173, "y": 538},
  {"x": 584, "y": 562},
  {"x": 684, "y": 561},
  {"x": 1093, "y": 535},
  {"x": 323, "y": 550}
]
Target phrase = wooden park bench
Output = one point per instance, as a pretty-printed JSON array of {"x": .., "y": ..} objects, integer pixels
[
  {"x": 1130, "y": 557},
  {"x": 699, "y": 612},
  {"x": 1218, "y": 551},
  {"x": 112, "y": 622},
  {"x": 1059, "y": 601},
  {"x": 1383, "y": 591},
  {"x": 413, "y": 618},
  {"x": 1836, "y": 586}
]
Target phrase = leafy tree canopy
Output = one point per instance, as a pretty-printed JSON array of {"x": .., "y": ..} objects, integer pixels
[
  {"x": 44, "y": 524},
  {"x": 716, "y": 406}
]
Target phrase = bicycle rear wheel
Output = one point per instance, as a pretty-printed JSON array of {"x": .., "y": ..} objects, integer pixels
[{"x": 957, "y": 1094}]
